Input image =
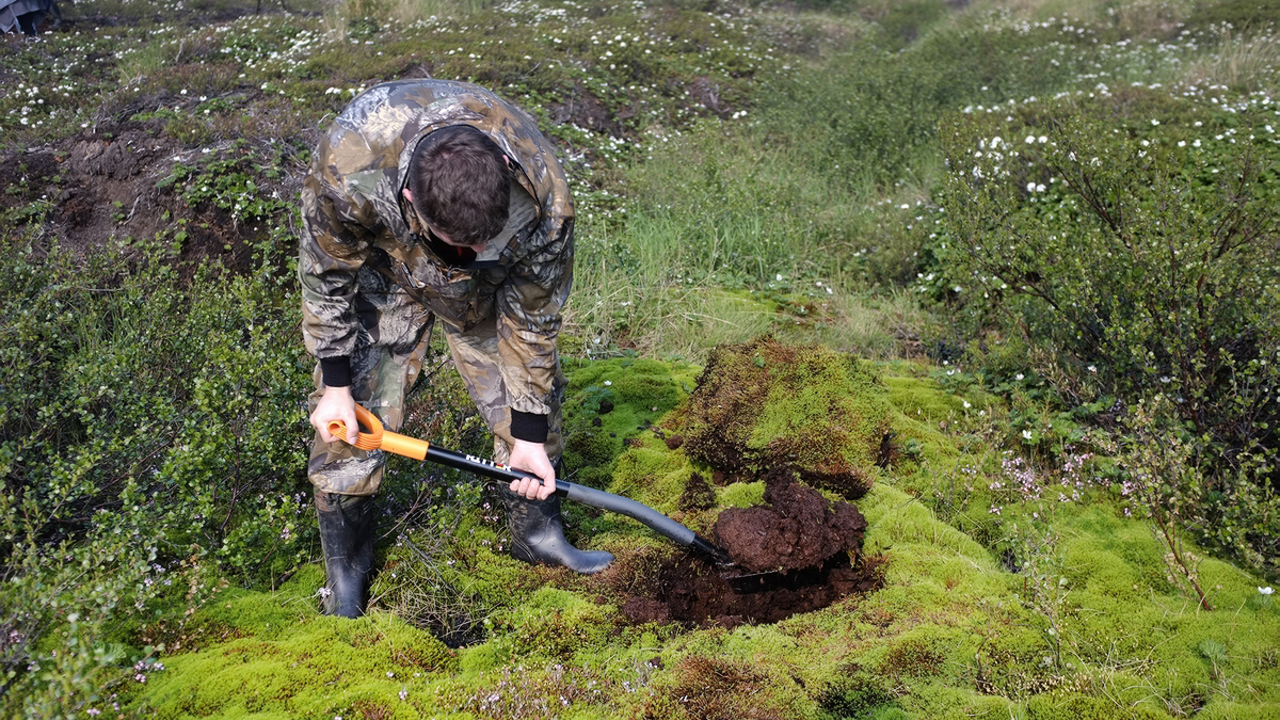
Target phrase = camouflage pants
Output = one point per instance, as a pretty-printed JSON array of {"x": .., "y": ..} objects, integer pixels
[{"x": 391, "y": 346}]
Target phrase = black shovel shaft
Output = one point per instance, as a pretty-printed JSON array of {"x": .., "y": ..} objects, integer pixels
[
  {"x": 483, "y": 466},
  {"x": 378, "y": 438},
  {"x": 644, "y": 514}
]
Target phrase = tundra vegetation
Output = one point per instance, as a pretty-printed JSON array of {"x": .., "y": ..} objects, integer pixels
[{"x": 1004, "y": 274}]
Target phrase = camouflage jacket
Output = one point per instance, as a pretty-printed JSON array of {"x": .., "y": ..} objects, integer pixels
[{"x": 354, "y": 215}]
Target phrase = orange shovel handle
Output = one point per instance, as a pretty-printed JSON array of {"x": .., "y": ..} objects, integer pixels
[{"x": 379, "y": 439}]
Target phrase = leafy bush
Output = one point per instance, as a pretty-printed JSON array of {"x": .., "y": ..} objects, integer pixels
[
  {"x": 1130, "y": 239},
  {"x": 144, "y": 421}
]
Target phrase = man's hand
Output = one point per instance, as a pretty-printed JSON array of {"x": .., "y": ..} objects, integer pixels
[
  {"x": 532, "y": 457},
  {"x": 336, "y": 404}
]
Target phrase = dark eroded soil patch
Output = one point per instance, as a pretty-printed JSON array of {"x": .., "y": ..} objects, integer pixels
[
  {"x": 798, "y": 554},
  {"x": 691, "y": 591},
  {"x": 115, "y": 182}
]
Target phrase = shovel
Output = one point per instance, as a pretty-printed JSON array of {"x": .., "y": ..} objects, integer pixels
[{"x": 379, "y": 439}]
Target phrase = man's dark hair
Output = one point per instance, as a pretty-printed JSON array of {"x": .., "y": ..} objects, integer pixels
[{"x": 461, "y": 184}]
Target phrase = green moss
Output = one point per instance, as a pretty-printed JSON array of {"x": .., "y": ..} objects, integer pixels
[
  {"x": 1128, "y": 539},
  {"x": 651, "y": 473},
  {"x": 1070, "y": 707},
  {"x": 529, "y": 691},
  {"x": 610, "y": 401},
  {"x": 921, "y": 410},
  {"x": 857, "y": 693},
  {"x": 486, "y": 656},
  {"x": 966, "y": 636},
  {"x": 741, "y": 494},
  {"x": 896, "y": 519},
  {"x": 927, "y": 651},
  {"x": 314, "y": 666},
  {"x": 930, "y": 700},
  {"x": 979, "y": 707},
  {"x": 1088, "y": 563},
  {"x": 484, "y": 567},
  {"x": 261, "y": 614},
  {"x": 553, "y": 625},
  {"x": 923, "y": 399},
  {"x": 1240, "y": 711},
  {"x": 939, "y": 453},
  {"x": 763, "y": 643},
  {"x": 721, "y": 686}
]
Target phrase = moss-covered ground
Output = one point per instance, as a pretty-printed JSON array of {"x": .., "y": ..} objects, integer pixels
[{"x": 994, "y": 604}]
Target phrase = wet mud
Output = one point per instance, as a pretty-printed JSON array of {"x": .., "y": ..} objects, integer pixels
[{"x": 796, "y": 554}]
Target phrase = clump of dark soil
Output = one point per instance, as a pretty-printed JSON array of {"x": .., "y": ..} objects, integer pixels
[
  {"x": 691, "y": 591},
  {"x": 799, "y": 529},
  {"x": 798, "y": 554}
]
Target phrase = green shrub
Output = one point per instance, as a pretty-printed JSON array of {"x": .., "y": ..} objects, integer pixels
[
  {"x": 147, "y": 417},
  {"x": 1130, "y": 240}
]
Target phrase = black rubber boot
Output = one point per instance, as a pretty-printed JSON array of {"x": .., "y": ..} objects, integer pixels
[
  {"x": 537, "y": 535},
  {"x": 346, "y": 535}
]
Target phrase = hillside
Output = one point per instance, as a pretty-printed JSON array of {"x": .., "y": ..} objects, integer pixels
[{"x": 956, "y": 323}]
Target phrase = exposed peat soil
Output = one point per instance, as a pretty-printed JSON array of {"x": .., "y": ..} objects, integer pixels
[
  {"x": 797, "y": 554},
  {"x": 106, "y": 183}
]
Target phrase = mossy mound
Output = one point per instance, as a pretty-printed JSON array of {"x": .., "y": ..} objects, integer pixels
[{"x": 764, "y": 403}]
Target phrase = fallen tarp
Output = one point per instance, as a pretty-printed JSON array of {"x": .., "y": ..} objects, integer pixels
[{"x": 25, "y": 15}]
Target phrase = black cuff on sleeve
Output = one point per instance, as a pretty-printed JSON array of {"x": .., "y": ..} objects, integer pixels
[
  {"x": 336, "y": 371},
  {"x": 529, "y": 427}
]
